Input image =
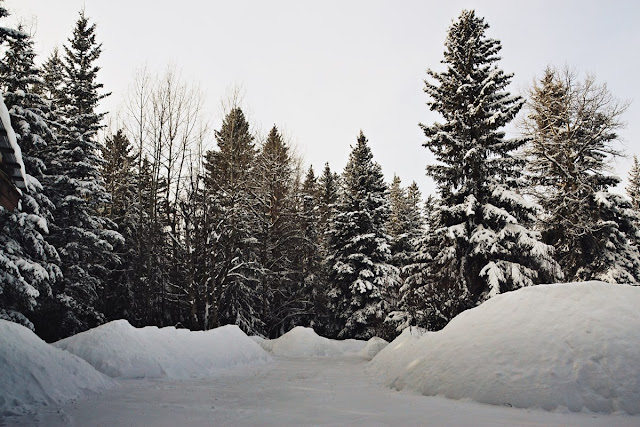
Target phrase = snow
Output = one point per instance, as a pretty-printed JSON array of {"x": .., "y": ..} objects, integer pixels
[
  {"x": 33, "y": 373},
  {"x": 373, "y": 347},
  {"x": 304, "y": 342},
  {"x": 6, "y": 121},
  {"x": 123, "y": 351},
  {"x": 572, "y": 346}
]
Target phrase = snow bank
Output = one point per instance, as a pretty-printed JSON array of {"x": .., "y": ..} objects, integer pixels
[
  {"x": 33, "y": 372},
  {"x": 574, "y": 346},
  {"x": 304, "y": 342},
  {"x": 122, "y": 351},
  {"x": 373, "y": 347}
]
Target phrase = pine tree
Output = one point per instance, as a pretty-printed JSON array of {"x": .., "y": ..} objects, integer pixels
[
  {"x": 359, "y": 253},
  {"x": 83, "y": 236},
  {"x": 483, "y": 243},
  {"x": 233, "y": 257},
  {"x": 28, "y": 264},
  {"x": 633, "y": 189},
  {"x": 572, "y": 127}
]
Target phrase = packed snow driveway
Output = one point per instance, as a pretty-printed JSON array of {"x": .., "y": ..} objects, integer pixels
[{"x": 331, "y": 390}]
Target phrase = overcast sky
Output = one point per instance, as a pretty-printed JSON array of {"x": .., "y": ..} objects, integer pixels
[{"x": 323, "y": 70}]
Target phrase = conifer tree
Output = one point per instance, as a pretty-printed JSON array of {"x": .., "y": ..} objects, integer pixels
[
  {"x": 633, "y": 189},
  {"x": 278, "y": 235},
  {"x": 120, "y": 180},
  {"x": 28, "y": 264},
  {"x": 83, "y": 237},
  {"x": 359, "y": 253},
  {"x": 483, "y": 242},
  {"x": 572, "y": 127},
  {"x": 233, "y": 258}
]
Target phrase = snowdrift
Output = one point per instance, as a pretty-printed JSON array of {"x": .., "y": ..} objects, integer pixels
[
  {"x": 304, "y": 342},
  {"x": 122, "y": 351},
  {"x": 34, "y": 373},
  {"x": 574, "y": 346},
  {"x": 373, "y": 347}
]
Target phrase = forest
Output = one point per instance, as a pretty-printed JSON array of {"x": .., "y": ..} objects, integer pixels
[{"x": 139, "y": 221}]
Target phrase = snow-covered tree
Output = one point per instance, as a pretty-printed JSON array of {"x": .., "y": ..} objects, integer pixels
[
  {"x": 81, "y": 233},
  {"x": 482, "y": 243},
  {"x": 572, "y": 126},
  {"x": 233, "y": 256},
  {"x": 359, "y": 249},
  {"x": 633, "y": 189},
  {"x": 28, "y": 264},
  {"x": 278, "y": 235},
  {"x": 120, "y": 180}
]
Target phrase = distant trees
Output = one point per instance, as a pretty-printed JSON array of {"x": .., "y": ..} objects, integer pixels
[{"x": 161, "y": 222}]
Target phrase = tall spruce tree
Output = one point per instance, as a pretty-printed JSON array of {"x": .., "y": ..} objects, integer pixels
[
  {"x": 120, "y": 178},
  {"x": 234, "y": 251},
  {"x": 359, "y": 253},
  {"x": 28, "y": 264},
  {"x": 83, "y": 236},
  {"x": 278, "y": 235},
  {"x": 572, "y": 127},
  {"x": 483, "y": 242}
]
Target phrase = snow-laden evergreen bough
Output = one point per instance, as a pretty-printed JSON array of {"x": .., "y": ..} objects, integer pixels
[
  {"x": 482, "y": 241},
  {"x": 28, "y": 263}
]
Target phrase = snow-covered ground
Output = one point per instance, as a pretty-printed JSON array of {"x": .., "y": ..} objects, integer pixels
[
  {"x": 122, "y": 351},
  {"x": 574, "y": 346},
  {"x": 330, "y": 391}
]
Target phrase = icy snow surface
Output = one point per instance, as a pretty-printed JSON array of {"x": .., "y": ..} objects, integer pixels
[
  {"x": 573, "y": 346},
  {"x": 373, "y": 347},
  {"x": 304, "y": 342},
  {"x": 34, "y": 373},
  {"x": 122, "y": 351}
]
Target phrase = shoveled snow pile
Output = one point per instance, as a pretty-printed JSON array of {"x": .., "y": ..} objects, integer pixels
[
  {"x": 574, "y": 346},
  {"x": 304, "y": 342},
  {"x": 373, "y": 347},
  {"x": 123, "y": 351},
  {"x": 33, "y": 372}
]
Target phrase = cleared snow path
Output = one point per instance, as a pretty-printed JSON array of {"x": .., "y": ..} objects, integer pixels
[{"x": 290, "y": 391}]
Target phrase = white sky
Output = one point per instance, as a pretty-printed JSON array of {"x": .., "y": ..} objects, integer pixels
[{"x": 322, "y": 71}]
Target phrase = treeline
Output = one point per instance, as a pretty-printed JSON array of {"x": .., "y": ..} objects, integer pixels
[{"x": 145, "y": 223}]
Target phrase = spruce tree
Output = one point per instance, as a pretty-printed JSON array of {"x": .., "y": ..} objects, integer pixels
[
  {"x": 359, "y": 254},
  {"x": 28, "y": 264},
  {"x": 572, "y": 127},
  {"x": 482, "y": 243},
  {"x": 83, "y": 236},
  {"x": 234, "y": 253},
  {"x": 120, "y": 178}
]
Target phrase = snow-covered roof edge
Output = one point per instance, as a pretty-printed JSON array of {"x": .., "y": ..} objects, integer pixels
[{"x": 6, "y": 121}]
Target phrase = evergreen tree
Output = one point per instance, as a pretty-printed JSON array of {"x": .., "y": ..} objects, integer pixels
[
  {"x": 233, "y": 257},
  {"x": 633, "y": 189},
  {"x": 278, "y": 236},
  {"x": 572, "y": 127},
  {"x": 28, "y": 264},
  {"x": 313, "y": 291},
  {"x": 482, "y": 243},
  {"x": 119, "y": 176},
  {"x": 359, "y": 253},
  {"x": 83, "y": 236}
]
